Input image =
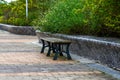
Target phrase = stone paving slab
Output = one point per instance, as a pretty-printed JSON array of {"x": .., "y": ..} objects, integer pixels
[
  {"x": 20, "y": 59},
  {"x": 17, "y": 36},
  {"x": 16, "y": 40},
  {"x": 29, "y": 58},
  {"x": 18, "y": 47},
  {"x": 55, "y": 76},
  {"x": 47, "y": 68}
]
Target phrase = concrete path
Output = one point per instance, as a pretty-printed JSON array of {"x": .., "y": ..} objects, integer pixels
[{"x": 20, "y": 59}]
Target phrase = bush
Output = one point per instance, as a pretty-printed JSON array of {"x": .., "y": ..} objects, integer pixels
[
  {"x": 65, "y": 17},
  {"x": 44, "y": 7},
  {"x": 70, "y": 17},
  {"x": 91, "y": 17},
  {"x": 108, "y": 14}
]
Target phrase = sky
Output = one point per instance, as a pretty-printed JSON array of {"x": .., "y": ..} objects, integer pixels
[{"x": 9, "y": 0}]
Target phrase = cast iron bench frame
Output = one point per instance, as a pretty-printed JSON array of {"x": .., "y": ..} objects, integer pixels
[{"x": 56, "y": 45}]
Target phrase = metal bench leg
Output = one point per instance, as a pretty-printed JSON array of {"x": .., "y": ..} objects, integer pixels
[
  {"x": 60, "y": 46},
  {"x": 67, "y": 51},
  {"x": 56, "y": 56},
  {"x": 53, "y": 48},
  {"x": 43, "y": 46},
  {"x": 56, "y": 52},
  {"x": 49, "y": 49}
]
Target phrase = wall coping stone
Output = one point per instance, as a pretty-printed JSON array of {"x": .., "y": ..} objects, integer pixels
[
  {"x": 22, "y": 30},
  {"x": 104, "y": 40}
]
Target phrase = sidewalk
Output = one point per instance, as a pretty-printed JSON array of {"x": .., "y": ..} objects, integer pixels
[{"x": 20, "y": 59}]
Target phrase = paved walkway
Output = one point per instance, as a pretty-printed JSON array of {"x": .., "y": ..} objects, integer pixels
[{"x": 20, "y": 59}]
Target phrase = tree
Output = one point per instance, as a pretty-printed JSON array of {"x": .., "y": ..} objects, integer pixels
[{"x": 2, "y": 2}]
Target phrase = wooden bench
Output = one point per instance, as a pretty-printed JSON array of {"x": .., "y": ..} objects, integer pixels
[{"x": 58, "y": 46}]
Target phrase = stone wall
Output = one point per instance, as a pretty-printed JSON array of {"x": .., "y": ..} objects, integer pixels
[
  {"x": 23, "y": 30},
  {"x": 103, "y": 50}
]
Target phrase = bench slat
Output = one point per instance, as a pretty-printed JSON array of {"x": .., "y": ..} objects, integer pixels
[{"x": 56, "y": 40}]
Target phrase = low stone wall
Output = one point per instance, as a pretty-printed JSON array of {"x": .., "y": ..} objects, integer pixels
[
  {"x": 23, "y": 30},
  {"x": 103, "y": 50}
]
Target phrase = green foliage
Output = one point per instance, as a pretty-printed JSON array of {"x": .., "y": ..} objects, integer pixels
[
  {"x": 109, "y": 14},
  {"x": 3, "y": 2},
  {"x": 17, "y": 21},
  {"x": 91, "y": 17},
  {"x": 14, "y": 12},
  {"x": 44, "y": 6},
  {"x": 64, "y": 17},
  {"x": 88, "y": 17}
]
